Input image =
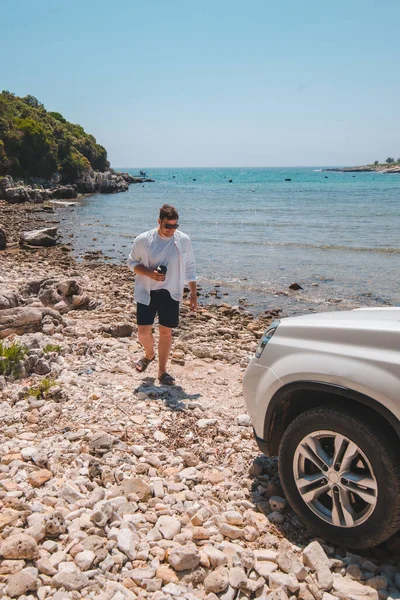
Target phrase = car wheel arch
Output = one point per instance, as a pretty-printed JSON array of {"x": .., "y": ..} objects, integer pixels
[{"x": 295, "y": 398}]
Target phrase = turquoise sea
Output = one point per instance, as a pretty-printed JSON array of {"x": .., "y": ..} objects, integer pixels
[{"x": 336, "y": 234}]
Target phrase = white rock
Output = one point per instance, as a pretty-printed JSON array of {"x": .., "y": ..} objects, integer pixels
[
  {"x": 204, "y": 423},
  {"x": 266, "y": 554},
  {"x": 137, "y": 450},
  {"x": 191, "y": 473},
  {"x": 85, "y": 559},
  {"x": 20, "y": 583},
  {"x": 169, "y": 527},
  {"x": 217, "y": 581},
  {"x": 127, "y": 541},
  {"x": 70, "y": 493},
  {"x": 237, "y": 577},
  {"x": 173, "y": 589},
  {"x": 158, "y": 488},
  {"x": 283, "y": 580},
  {"x": 142, "y": 573},
  {"x": 185, "y": 557},
  {"x": 288, "y": 561},
  {"x": 353, "y": 590},
  {"x": 265, "y": 567},
  {"x": 233, "y": 517},
  {"x": 29, "y": 452},
  {"x": 315, "y": 557},
  {"x": 216, "y": 557},
  {"x": 244, "y": 420},
  {"x": 75, "y": 580}
]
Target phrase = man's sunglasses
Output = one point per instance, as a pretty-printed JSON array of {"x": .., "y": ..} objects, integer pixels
[{"x": 169, "y": 226}]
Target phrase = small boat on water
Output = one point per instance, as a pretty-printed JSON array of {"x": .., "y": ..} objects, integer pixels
[{"x": 142, "y": 174}]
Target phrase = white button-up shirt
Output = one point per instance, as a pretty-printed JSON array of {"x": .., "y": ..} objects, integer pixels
[{"x": 183, "y": 270}]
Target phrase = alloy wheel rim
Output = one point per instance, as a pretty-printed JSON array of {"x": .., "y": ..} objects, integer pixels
[{"x": 335, "y": 478}]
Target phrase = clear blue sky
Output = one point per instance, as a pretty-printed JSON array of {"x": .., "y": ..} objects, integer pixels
[{"x": 214, "y": 83}]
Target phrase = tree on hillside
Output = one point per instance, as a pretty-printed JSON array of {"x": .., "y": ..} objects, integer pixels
[
  {"x": 389, "y": 160},
  {"x": 376, "y": 162},
  {"x": 32, "y": 101}
]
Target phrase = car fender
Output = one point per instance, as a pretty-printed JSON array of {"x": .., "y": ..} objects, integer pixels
[
  {"x": 365, "y": 377},
  {"x": 259, "y": 385}
]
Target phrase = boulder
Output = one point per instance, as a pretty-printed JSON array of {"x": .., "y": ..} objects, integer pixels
[
  {"x": 63, "y": 192},
  {"x": 21, "y": 193},
  {"x": 25, "y": 319},
  {"x": 39, "y": 190},
  {"x": 39, "y": 237},
  {"x": 10, "y": 299},
  {"x": 5, "y": 183},
  {"x": 109, "y": 182},
  {"x": 3, "y": 238},
  {"x": 62, "y": 295}
]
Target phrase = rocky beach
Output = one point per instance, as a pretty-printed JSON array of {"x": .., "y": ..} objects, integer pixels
[{"x": 113, "y": 487}]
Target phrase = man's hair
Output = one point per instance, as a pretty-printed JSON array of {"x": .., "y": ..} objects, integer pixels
[{"x": 168, "y": 212}]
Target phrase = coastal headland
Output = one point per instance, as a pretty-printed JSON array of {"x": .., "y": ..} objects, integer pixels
[
  {"x": 113, "y": 487},
  {"x": 380, "y": 168}
]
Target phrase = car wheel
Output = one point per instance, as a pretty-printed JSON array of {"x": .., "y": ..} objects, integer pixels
[{"x": 341, "y": 475}]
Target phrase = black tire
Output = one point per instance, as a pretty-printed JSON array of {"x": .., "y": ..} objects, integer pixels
[{"x": 378, "y": 446}]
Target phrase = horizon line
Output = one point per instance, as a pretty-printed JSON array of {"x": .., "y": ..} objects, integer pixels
[{"x": 242, "y": 167}]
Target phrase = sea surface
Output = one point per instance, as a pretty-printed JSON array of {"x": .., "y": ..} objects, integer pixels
[{"x": 335, "y": 234}]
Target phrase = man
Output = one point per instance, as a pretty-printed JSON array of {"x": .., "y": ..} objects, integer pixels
[{"x": 160, "y": 293}]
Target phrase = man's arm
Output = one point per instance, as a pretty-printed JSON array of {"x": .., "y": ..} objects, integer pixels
[
  {"x": 134, "y": 263},
  {"x": 142, "y": 270},
  {"x": 191, "y": 275},
  {"x": 193, "y": 295}
]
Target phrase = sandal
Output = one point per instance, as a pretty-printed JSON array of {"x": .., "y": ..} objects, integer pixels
[
  {"x": 166, "y": 379},
  {"x": 143, "y": 363}
]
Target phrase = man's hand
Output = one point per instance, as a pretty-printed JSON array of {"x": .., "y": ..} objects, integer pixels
[
  {"x": 156, "y": 276},
  {"x": 193, "y": 302}
]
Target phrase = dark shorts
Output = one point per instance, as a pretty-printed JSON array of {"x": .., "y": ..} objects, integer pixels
[{"x": 161, "y": 303}]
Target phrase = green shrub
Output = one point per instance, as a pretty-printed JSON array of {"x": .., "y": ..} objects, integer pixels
[
  {"x": 10, "y": 357},
  {"x": 73, "y": 165},
  {"x": 41, "y": 390},
  {"x": 51, "y": 348},
  {"x": 58, "y": 116}
]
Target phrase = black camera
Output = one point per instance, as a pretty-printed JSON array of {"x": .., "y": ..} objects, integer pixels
[{"x": 161, "y": 269}]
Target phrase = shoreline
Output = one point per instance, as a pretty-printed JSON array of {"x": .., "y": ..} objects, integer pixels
[{"x": 279, "y": 299}]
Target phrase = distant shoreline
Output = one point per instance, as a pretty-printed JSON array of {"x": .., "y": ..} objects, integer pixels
[{"x": 389, "y": 168}]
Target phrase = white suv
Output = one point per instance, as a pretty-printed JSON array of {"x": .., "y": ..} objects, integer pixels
[{"x": 323, "y": 393}]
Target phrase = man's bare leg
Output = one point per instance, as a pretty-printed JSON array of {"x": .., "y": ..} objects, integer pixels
[
  {"x": 164, "y": 348},
  {"x": 146, "y": 339}
]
